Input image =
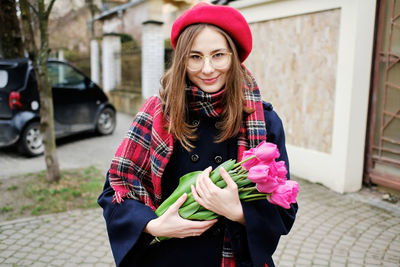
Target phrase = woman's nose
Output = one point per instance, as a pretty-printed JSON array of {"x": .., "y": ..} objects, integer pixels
[{"x": 207, "y": 67}]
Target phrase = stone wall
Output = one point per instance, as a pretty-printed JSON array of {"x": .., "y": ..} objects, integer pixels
[
  {"x": 71, "y": 32},
  {"x": 129, "y": 22},
  {"x": 294, "y": 60}
]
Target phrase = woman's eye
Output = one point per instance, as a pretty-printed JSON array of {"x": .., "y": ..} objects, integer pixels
[
  {"x": 195, "y": 57},
  {"x": 217, "y": 55}
]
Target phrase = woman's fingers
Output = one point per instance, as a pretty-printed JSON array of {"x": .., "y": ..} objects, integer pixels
[
  {"x": 201, "y": 182},
  {"x": 178, "y": 203},
  {"x": 199, "y": 227},
  {"x": 197, "y": 197},
  {"x": 228, "y": 179}
]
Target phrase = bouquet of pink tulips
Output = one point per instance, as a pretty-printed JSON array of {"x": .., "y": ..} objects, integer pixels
[{"x": 258, "y": 176}]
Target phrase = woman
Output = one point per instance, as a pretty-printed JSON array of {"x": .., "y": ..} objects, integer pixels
[{"x": 209, "y": 110}]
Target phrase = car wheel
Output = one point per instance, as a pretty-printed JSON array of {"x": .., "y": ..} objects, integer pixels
[
  {"x": 106, "y": 121},
  {"x": 31, "y": 141}
]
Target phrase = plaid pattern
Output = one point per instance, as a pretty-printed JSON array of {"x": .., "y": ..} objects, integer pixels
[
  {"x": 205, "y": 104},
  {"x": 140, "y": 160}
]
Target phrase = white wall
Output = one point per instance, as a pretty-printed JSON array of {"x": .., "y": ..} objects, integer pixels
[
  {"x": 95, "y": 61},
  {"x": 152, "y": 58},
  {"x": 111, "y": 61},
  {"x": 342, "y": 168}
]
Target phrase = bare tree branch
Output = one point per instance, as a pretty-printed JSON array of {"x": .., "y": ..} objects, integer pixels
[
  {"x": 33, "y": 9},
  {"x": 29, "y": 35},
  {"x": 49, "y": 8}
]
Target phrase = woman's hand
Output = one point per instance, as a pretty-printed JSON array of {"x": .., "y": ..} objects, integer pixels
[
  {"x": 224, "y": 202},
  {"x": 171, "y": 224}
]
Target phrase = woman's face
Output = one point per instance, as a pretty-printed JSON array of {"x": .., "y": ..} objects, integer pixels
[{"x": 209, "y": 44}]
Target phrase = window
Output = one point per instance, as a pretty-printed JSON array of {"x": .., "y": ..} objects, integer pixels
[
  {"x": 3, "y": 78},
  {"x": 62, "y": 75}
]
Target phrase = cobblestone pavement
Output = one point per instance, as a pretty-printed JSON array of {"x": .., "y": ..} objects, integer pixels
[{"x": 331, "y": 230}]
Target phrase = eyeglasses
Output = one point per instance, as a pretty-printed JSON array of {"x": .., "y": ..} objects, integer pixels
[{"x": 218, "y": 60}]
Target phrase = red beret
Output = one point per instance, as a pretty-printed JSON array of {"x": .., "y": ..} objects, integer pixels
[{"x": 227, "y": 18}]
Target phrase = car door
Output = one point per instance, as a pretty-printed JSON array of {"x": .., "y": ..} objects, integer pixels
[{"x": 74, "y": 104}]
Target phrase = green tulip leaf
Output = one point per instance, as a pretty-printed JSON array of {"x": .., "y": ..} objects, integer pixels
[
  {"x": 204, "y": 215},
  {"x": 183, "y": 187},
  {"x": 187, "y": 211}
]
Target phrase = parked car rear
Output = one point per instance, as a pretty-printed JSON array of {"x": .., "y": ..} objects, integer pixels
[{"x": 79, "y": 104}]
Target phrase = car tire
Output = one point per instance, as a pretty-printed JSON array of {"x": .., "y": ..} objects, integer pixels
[
  {"x": 31, "y": 140},
  {"x": 106, "y": 121}
]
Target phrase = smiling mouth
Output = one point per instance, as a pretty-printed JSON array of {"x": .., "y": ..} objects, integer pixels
[{"x": 210, "y": 81}]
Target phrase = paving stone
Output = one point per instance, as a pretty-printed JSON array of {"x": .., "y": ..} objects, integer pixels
[
  {"x": 372, "y": 261},
  {"x": 99, "y": 254},
  {"x": 6, "y": 253},
  {"x": 335, "y": 264},
  {"x": 101, "y": 264},
  {"x": 20, "y": 255},
  {"x": 330, "y": 230},
  {"x": 306, "y": 256},
  {"x": 358, "y": 261},
  {"x": 25, "y": 262},
  {"x": 58, "y": 262},
  {"x": 11, "y": 260},
  {"x": 76, "y": 259},
  {"x": 304, "y": 262},
  {"x": 38, "y": 264},
  {"x": 45, "y": 259},
  {"x": 9, "y": 241},
  {"x": 32, "y": 257},
  {"x": 390, "y": 264},
  {"x": 338, "y": 260},
  {"x": 91, "y": 259}
]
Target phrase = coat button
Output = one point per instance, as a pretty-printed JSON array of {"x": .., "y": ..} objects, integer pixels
[
  {"x": 218, "y": 159},
  {"x": 194, "y": 157},
  {"x": 195, "y": 123}
]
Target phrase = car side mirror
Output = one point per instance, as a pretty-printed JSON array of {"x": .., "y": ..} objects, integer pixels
[{"x": 89, "y": 83}]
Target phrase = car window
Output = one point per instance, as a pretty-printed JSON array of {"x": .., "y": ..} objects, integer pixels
[
  {"x": 3, "y": 78},
  {"x": 62, "y": 75}
]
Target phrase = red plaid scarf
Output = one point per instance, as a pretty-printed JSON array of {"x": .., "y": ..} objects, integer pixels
[{"x": 140, "y": 160}]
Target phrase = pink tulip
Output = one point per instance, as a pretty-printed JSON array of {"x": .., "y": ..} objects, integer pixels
[
  {"x": 265, "y": 177},
  {"x": 250, "y": 163},
  {"x": 285, "y": 194},
  {"x": 259, "y": 173},
  {"x": 266, "y": 152},
  {"x": 281, "y": 169}
]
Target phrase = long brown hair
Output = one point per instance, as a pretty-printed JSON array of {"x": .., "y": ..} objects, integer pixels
[{"x": 175, "y": 81}]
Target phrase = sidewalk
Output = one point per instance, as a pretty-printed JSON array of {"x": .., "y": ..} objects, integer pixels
[{"x": 330, "y": 230}]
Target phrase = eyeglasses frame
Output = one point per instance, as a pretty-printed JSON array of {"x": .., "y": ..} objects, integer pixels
[{"x": 203, "y": 57}]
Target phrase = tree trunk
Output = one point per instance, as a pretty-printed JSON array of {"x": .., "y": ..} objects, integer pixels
[
  {"x": 47, "y": 119},
  {"x": 11, "y": 45},
  {"x": 39, "y": 57}
]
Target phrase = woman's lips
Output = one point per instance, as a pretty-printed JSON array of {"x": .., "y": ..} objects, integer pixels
[{"x": 210, "y": 81}]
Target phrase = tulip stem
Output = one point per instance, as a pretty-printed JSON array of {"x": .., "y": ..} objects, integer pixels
[
  {"x": 247, "y": 189},
  {"x": 243, "y": 161},
  {"x": 255, "y": 197}
]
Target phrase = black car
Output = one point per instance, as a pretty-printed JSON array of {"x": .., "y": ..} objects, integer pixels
[{"x": 79, "y": 104}]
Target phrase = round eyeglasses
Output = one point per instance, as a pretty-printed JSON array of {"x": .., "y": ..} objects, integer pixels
[{"x": 218, "y": 60}]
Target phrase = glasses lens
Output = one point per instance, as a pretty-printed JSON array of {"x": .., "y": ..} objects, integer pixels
[
  {"x": 195, "y": 62},
  {"x": 220, "y": 60}
]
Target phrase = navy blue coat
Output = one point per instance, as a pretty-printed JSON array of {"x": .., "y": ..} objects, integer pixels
[{"x": 253, "y": 244}]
